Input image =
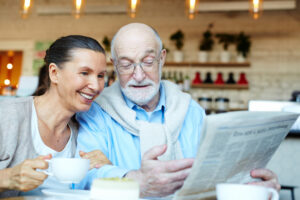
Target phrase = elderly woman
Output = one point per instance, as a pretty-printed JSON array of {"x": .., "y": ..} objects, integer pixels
[{"x": 34, "y": 129}]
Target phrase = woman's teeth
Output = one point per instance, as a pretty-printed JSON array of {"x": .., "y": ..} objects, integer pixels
[{"x": 86, "y": 96}]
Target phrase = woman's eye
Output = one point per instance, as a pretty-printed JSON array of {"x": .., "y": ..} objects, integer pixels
[
  {"x": 84, "y": 73},
  {"x": 100, "y": 76}
]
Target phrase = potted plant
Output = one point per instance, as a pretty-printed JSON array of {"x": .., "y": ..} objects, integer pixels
[
  {"x": 177, "y": 38},
  {"x": 226, "y": 39},
  {"x": 206, "y": 44},
  {"x": 243, "y": 45},
  {"x": 106, "y": 44}
]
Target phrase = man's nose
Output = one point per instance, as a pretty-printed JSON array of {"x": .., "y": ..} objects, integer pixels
[{"x": 138, "y": 73}]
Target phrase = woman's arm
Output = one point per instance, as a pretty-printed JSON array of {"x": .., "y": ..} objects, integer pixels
[{"x": 96, "y": 157}]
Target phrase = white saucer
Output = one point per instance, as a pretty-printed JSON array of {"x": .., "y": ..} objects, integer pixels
[{"x": 70, "y": 194}]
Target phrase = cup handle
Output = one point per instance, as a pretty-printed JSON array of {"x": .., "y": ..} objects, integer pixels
[
  {"x": 46, "y": 171},
  {"x": 275, "y": 195}
]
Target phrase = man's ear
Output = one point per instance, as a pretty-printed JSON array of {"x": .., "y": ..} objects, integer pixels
[
  {"x": 163, "y": 56},
  {"x": 53, "y": 72}
]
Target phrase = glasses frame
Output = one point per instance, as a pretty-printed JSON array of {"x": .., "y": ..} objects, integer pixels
[{"x": 134, "y": 64}]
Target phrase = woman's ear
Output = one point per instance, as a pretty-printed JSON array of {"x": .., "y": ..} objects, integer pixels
[{"x": 53, "y": 72}]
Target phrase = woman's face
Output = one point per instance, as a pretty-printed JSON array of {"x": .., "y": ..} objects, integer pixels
[{"x": 81, "y": 79}]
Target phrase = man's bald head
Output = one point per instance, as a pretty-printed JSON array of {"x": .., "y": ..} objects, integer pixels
[{"x": 134, "y": 31}]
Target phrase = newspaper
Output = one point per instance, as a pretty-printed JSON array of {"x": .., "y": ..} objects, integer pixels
[{"x": 232, "y": 144}]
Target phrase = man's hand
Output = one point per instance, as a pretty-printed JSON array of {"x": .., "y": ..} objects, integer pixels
[
  {"x": 160, "y": 178},
  {"x": 96, "y": 157},
  {"x": 24, "y": 177},
  {"x": 269, "y": 178}
]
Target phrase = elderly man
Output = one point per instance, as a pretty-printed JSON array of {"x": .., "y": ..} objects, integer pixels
[{"x": 147, "y": 128}]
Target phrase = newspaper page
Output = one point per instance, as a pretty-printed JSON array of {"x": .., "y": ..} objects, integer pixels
[{"x": 232, "y": 144}]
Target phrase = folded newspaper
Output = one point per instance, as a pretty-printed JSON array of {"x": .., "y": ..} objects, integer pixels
[{"x": 232, "y": 144}]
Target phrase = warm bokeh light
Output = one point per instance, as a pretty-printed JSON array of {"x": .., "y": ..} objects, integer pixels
[
  {"x": 191, "y": 8},
  {"x": 78, "y": 8},
  {"x": 133, "y": 4},
  {"x": 255, "y": 8},
  {"x": 9, "y": 66},
  {"x": 26, "y": 6},
  {"x": 6, "y": 82}
]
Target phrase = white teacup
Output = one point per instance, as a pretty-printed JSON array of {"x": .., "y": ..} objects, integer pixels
[
  {"x": 68, "y": 170},
  {"x": 228, "y": 191}
]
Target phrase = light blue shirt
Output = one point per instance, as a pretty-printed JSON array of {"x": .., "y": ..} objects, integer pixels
[{"x": 99, "y": 131}]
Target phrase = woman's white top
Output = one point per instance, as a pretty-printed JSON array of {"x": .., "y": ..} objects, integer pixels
[{"x": 42, "y": 149}]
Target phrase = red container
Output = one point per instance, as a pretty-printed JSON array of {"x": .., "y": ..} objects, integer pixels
[
  {"x": 197, "y": 79},
  {"x": 242, "y": 80}
]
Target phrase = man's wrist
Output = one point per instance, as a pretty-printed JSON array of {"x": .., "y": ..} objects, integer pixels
[
  {"x": 4, "y": 179},
  {"x": 137, "y": 176}
]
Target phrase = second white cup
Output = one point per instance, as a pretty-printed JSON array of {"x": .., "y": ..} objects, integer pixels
[{"x": 228, "y": 191}]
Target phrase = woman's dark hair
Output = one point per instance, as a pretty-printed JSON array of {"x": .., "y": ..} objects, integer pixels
[{"x": 60, "y": 52}]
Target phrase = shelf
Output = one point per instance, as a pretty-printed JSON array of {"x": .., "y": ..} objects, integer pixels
[
  {"x": 197, "y": 64},
  {"x": 224, "y": 86},
  {"x": 208, "y": 64}
]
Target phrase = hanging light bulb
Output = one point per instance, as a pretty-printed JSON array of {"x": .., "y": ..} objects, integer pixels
[
  {"x": 256, "y": 8},
  {"x": 133, "y": 4},
  {"x": 191, "y": 6},
  {"x": 25, "y": 8},
  {"x": 78, "y": 8}
]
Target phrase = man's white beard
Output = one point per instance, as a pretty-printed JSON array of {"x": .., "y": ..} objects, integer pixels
[{"x": 140, "y": 96}]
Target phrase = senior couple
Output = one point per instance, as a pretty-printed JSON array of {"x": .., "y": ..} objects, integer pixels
[{"x": 147, "y": 128}]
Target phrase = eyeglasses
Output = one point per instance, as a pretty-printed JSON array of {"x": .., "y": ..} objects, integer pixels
[{"x": 128, "y": 68}]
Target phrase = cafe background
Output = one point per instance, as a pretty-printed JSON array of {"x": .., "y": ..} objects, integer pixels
[{"x": 272, "y": 67}]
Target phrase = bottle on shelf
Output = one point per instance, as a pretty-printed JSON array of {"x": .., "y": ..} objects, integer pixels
[
  {"x": 186, "y": 83},
  {"x": 219, "y": 79},
  {"x": 111, "y": 78},
  {"x": 197, "y": 79},
  {"x": 180, "y": 81},
  {"x": 208, "y": 78},
  {"x": 242, "y": 80},
  {"x": 170, "y": 77},
  {"x": 175, "y": 79},
  {"x": 163, "y": 77},
  {"x": 231, "y": 79}
]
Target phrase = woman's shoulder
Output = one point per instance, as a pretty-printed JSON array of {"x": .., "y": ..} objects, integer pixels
[{"x": 16, "y": 103}]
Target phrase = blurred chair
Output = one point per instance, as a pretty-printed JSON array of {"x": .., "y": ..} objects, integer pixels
[{"x": 27, "y": 85}]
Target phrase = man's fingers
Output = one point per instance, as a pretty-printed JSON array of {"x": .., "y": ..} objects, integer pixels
[
  {"x": 264, "y": 174},
  {"x": 270, "y": 184},
  {"x": 269, "y": 178},
  {"x": 155, "y": 152},
  {"x": 179, "y": 175},
  {"x": 177, "y": 165}
]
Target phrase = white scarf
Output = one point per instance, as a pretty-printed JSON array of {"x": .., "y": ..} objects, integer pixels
[{"x": 151, "y": 134}]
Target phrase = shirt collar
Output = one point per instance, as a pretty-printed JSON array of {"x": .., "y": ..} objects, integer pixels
[{"x": 160, "y": 106}]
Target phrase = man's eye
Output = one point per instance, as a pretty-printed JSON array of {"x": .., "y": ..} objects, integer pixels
[
  {"x": 126, "y": 65},
  {"x": 148, "y": 62}
]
